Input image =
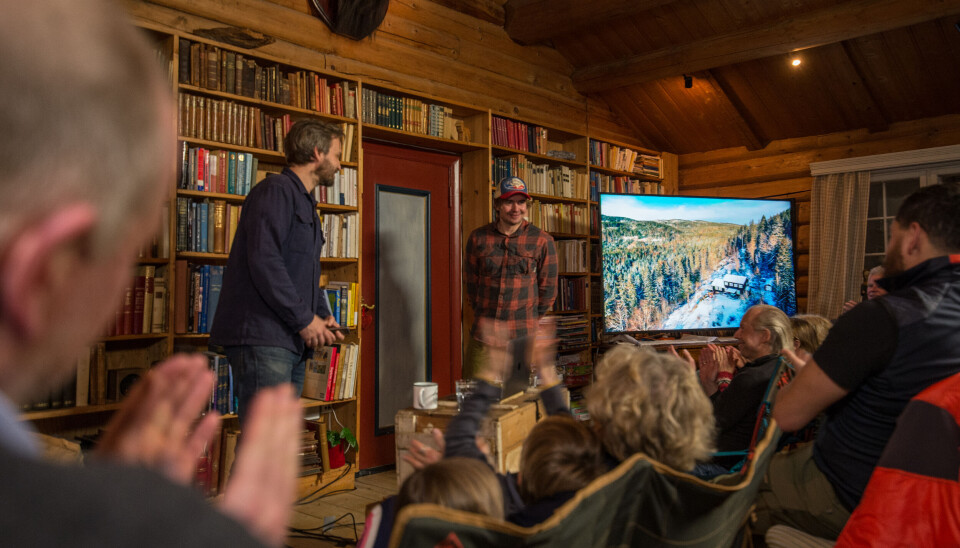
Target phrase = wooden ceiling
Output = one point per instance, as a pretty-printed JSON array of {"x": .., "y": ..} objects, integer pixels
[{"x": 865, "y": 63}]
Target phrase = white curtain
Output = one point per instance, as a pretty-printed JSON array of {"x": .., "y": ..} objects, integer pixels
[{"x": 838, "y": 231}]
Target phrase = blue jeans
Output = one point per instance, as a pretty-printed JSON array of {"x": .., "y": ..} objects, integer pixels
[{"x": 256, "y": 367}]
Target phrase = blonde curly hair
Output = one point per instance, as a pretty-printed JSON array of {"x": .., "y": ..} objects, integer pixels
[{"x": 651, "y": 403}]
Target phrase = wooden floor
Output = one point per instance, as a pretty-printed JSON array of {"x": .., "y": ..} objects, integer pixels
[{"x": 317, "y": 515}]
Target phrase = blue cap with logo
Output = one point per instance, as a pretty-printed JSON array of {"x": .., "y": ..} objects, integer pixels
[{"x": 510, "y": 186}]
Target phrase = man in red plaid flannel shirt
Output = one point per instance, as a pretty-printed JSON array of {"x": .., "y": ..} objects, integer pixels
[{"x": 511, "y": 270}]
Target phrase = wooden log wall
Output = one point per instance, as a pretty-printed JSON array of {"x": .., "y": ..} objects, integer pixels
[
  {"x": 782, "y": 169},
  {"x": 421, "y": 46}
]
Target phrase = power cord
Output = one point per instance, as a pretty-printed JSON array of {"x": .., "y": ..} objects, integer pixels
[
  {"x": 306, "y": 499},
  {"x": 321, "y": 532}
]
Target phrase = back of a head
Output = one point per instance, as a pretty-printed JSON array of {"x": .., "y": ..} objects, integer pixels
[
  {"x": 935, "y": 209},
  {"x": 776, "y": 322},
  {"x": 651, "y": 403},
  {"x": 83, "y": 114},
  {"x": 456, "y": 482},
  {"x": 561, "y": 454},
  {"x": 810, "y": 330}
]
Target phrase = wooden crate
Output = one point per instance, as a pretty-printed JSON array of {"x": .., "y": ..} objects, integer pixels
[{"x": 506, "y": 427}]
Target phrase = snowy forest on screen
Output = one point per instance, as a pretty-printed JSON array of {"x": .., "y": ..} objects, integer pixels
[{"x": 690, "y": 274}]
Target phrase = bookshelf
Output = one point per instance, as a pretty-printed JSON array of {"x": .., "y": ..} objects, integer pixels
[
  {"x": 234, "y": 107},
  {"x": 225, "y": 115}
]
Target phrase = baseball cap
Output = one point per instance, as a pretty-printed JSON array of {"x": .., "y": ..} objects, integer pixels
[{"x": 510, "y": 186}]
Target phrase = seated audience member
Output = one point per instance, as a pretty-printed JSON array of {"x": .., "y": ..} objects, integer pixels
[
  {"x": 874, "y": 360},
  {"x": 764, "y": 331},
  {"x": 559, "y": 456},
  {"x": 650, "y": 403},
  {"x": 809, "y": 330},
  {"x": 873, "y": 289},
  {"x": 88, "y": 150},
  {"x": 456, "y": 482}
]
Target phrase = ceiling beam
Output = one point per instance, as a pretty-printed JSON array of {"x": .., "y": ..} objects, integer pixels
[
  {"x": 531, "y": 22},
  {"x": 741, "y": 117},
  {"x": 843, "y": 21}
]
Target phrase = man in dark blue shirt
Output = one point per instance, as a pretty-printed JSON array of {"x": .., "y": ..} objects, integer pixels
[{"x": 272, "y": 310}]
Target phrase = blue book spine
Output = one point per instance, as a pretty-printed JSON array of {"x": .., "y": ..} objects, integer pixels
[
  {"x": 231, "y": 403},
  {"x": 204, "y": 213},
  {"x": 195, "y": 225},
  {"x": 213, "y": 297},
  {"x": 248, "y": 178},
  {"x": 232, "y": 173},
  {"x": 205, "y": 282}
]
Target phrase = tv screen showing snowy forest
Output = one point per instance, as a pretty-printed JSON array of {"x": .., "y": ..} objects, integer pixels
[{"x": 685, "y": 263}]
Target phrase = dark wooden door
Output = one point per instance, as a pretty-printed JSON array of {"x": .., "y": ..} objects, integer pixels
[{"x": 411, "y": 273}]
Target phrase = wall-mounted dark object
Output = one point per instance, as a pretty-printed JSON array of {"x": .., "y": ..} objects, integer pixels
[
  {"x": 687, "y": 81},
  {"x": 355, "y": 19}
]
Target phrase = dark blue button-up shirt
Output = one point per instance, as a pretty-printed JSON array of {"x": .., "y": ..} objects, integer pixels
[{"x": 271, "y": 285}]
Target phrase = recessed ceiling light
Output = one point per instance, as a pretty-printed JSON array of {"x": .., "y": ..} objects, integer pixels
[{"x": 796, "y": 62}]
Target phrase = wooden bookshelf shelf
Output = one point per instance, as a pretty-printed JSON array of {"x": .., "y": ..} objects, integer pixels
[
  {"x": 567, "y": 236},
  {"x": 267, "y": 104},
  {"x": 371, "y": 131},
  {"x": 140, "y": 337},
  {"x": 211, "y": 195},
  {"x": 336, "y": 207},
  {"x": 261, "y": 153},
  {"x": 506, "y": 151},
  {"x": 574, "y": 274},
  {"x": 152, "y": 260},
  {"x": 69, "y": 412},
  {"x": 547, "y": 198}
]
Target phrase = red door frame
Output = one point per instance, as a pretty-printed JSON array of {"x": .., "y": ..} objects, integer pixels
[{"x": 376, "y": 451}]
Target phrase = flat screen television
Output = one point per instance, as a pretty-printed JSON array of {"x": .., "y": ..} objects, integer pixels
[{"x": 684, "y": 263}]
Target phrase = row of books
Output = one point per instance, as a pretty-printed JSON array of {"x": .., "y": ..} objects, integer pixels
[
  {"x": 578, "y": 407},
  {"x": 144, "y": 306},
  {"x": 561, "y": 218},
  {"x": 231, "y": 123},
  {"x": 573, "y": 331},
  {"x": 222, "y": 398},
  {"x": 196, "y": 296},
  {"x": 344, "y": 299},
  {"x": 648, "y": 165},
  {"x": 571, "y": 255},
  {"x": 571, "y": 294},
  {"x": 331, "y": 373},
  {"x": 622, "y": 184},
  {"x": 87, "y": 387},
  {"x": 206, "y": 226},
  {"x": 344, "y": 189},
  {"x": 218, "y": 69},
  {"x": 223, "y": 171},
  {"x": 409, "y": 114},
  {"x": 576, "y": 368},
  {"x": 519, "y": 135},
  {"x": 342, "y": 235},
  {"x": 620, "y": 158},
  {"x": 560, "y": 181}
]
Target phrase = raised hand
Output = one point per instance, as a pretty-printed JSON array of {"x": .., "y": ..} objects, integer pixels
[
  {"x": 545, "y": 352},
  {"x": 263, "y": 481},
  {"x": 848, "y": 306},
  {"x": 421, "y": 455},
  {"x": 157, "y": 426},
  {"x": 685, "y": 356},
  {"x": 797, "y": 358},
  {"x": 493, "y": 334},
  {"x": 709, "y": 369}
]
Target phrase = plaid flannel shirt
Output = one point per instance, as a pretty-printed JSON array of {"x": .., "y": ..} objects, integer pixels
[{"x": 511, "y": 278}]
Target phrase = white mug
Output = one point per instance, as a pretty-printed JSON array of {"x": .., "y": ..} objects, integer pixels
[{"x": 425, "y": 395}]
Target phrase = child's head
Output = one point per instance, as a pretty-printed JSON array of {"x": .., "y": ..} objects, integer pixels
[
  {"x": 456, "y": 482},
  {"x": 651, "y": 403},
  {"x": 560, "y": 454}
]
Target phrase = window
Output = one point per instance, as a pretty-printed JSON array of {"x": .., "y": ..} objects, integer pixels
[{"x": 888, "y": 189}]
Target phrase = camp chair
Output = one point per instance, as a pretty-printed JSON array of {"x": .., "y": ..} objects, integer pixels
[
  {"x": 783, "y": 374},
  {"x": 640, "y": 503}
]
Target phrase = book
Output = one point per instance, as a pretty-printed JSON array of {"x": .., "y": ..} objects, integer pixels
[
  {"x": 219, "y": 226},
  {"x": 316, "y": 373},
  {"x": 213, "y": 294},
  {"x": 148, "y": 273},
  {"x": 82, "y": 395},
  {"x": 181, "y": 286},
  {"x": 331, "y": 375},
  {"x": 159, "y": 317}
]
